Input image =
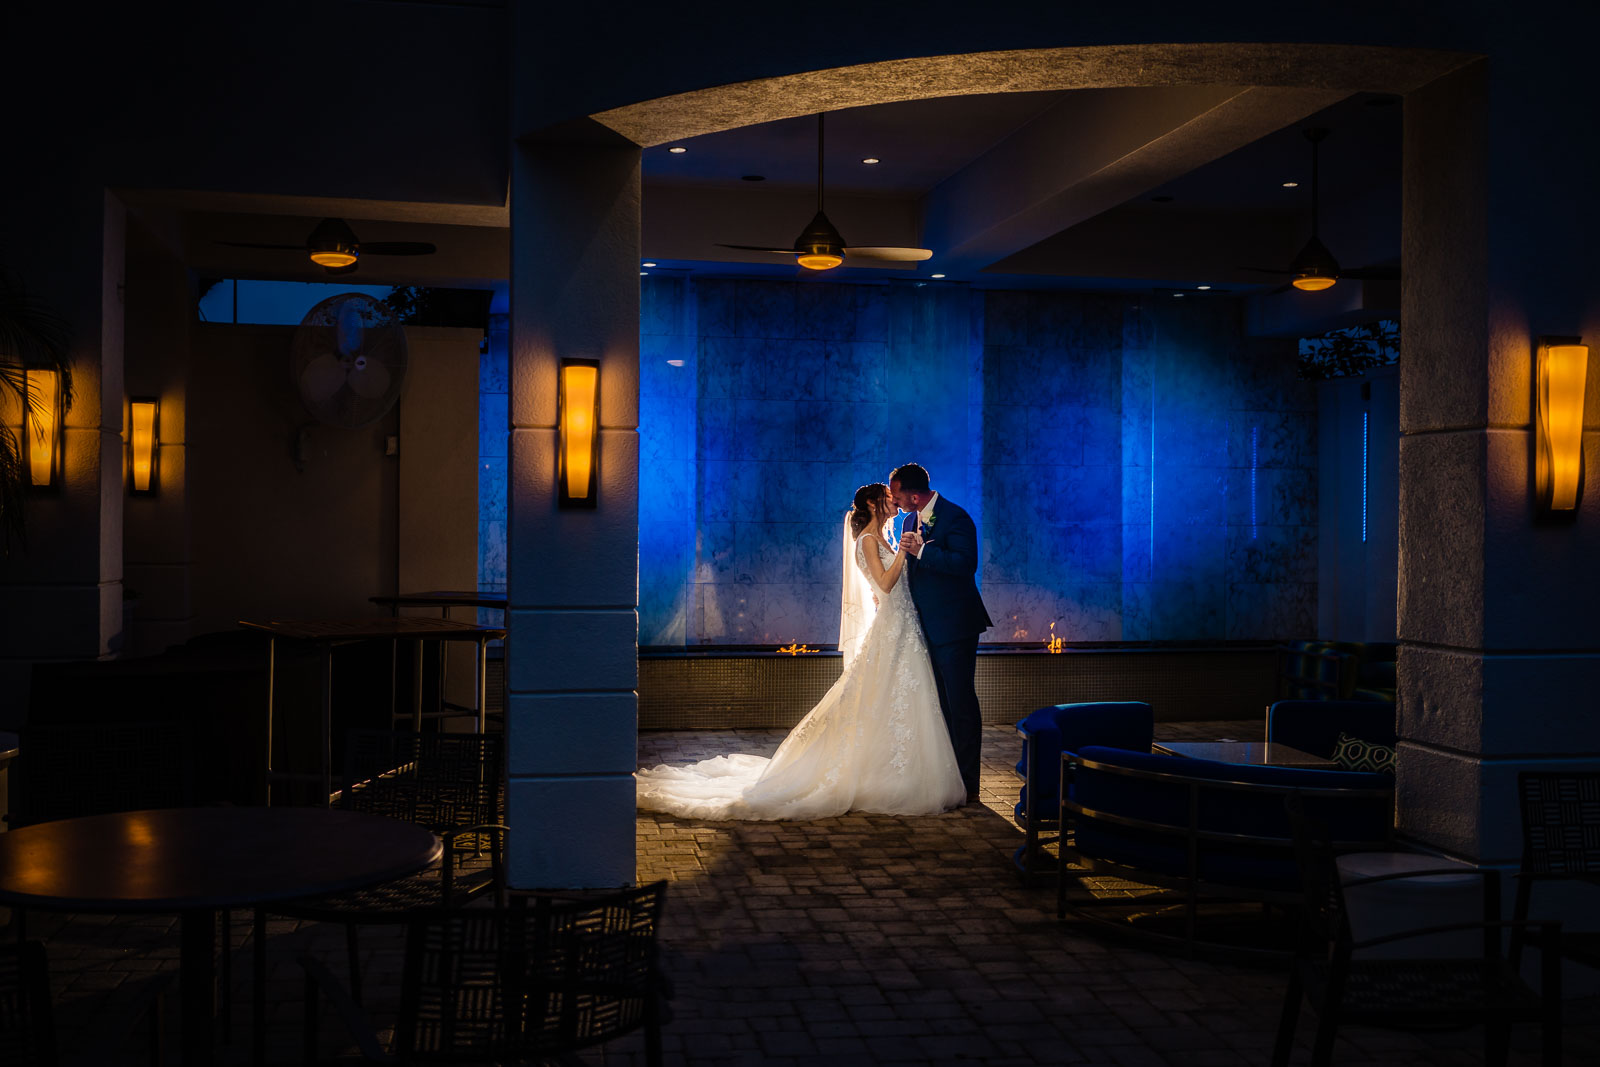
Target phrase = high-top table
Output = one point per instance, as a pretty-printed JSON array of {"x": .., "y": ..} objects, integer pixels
[
  {"x": 197, "y": 861},
  {"x": 444, "y": 600},
  {"x": 329, "y": 633}
]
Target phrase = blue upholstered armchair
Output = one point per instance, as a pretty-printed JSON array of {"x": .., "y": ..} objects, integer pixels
[
  {"x": 1059, "y": 728},
  {"x": 1314, "y": 726}
]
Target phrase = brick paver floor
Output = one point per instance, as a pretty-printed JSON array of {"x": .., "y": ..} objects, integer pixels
[{"x": 858, "y": 940}]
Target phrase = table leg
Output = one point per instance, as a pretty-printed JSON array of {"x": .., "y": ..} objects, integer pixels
[
  {"x": 272, "y": 663},
  {"x": 327, "y": 724},
  {"x": 197, "y": 986},
  {"x": 416, "y": 687},
  {"x": 483, "y": 685}
]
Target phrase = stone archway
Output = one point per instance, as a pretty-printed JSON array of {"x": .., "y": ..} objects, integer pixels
[{"x": 575, "y": 225}]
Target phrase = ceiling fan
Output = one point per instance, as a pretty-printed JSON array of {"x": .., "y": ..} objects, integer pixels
[
  {"x": 820, "y": 245},
  {"x": 1314, "y": 267},
  {"x": 334, "y": 247}
]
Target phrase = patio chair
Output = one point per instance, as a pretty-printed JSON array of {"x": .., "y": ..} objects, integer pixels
[
  {"x": 27, "y": 1025},
  {"x": 1560, "y": 842},
  {"x": 1459, "y": 991},
  {"x": 1050, "y": 731},
  {"x": 450, "y": 783},
  {"x": 538, "y": 979},
  {"x": 67, "y": 770},
  {"x": 27, "y": 1017}
]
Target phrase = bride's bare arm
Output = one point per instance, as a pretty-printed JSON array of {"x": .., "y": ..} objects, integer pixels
[{"x": 883, "y": 579}]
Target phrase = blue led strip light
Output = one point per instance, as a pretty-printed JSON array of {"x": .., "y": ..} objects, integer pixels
[{"x": 1364, "y": 415}]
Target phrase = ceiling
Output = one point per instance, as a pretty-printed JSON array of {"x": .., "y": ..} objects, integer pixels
[{"x": 1111, "y": 189}]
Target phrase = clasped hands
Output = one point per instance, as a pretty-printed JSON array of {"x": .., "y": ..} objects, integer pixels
[{"x": 911, "y": 542}]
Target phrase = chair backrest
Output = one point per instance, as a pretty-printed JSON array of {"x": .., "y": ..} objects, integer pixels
[
  {"x": 1061, "y": 728},
  {"x": 436, "y": 780},
  {"x": 70, "y": 769},
  {"x": 529, "y": 981},
  {"x": 1560, "y": 822},
  {"x": 27, "y": 1027},
  {"x": 1314, "y": 726}
]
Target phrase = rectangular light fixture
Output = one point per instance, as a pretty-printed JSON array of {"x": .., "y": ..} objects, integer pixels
[
  {"x": 578, "y": 429},
  {"x": 143, "y": 435},
  {"x": 1561, "y": 367},
  {"x": 41, "y": 432}
]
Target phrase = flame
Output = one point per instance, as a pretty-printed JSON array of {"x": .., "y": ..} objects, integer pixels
[
  {"x": 797, "y": 650},
  {"x": 1052, "y": 643}
]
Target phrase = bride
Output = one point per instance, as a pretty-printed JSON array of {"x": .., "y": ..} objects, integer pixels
[{"x": 876, "y": 742}]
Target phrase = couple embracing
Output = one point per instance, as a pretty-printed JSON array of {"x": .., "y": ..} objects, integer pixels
[{"x": 899, "y": 733}]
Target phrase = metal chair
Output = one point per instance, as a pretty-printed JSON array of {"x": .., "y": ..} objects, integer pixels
[
  {"x": 1560, "y": 842},
  {"x": 450, "y": 783},
  {"x": 65, "y": 770},
  {"x": 27, "y": 1025},
  {"x": 1344, "y": 988},
  {"x": 519, "y": 984}
]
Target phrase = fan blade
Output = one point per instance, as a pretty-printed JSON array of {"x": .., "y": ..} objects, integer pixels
[
  {"x": 1267, "y": 270},
  {"x": 369, "y": 378},
  {"x": 349, "y": 329},
  {"x": 1373, "y": 274},
  {"x": 899, "y": 255},
  {"x": 322, "y": 378},
  {"x": 397, "y": 248},
  {"x": 275, "y": 248},
  {"x": 763, "y": 248}
]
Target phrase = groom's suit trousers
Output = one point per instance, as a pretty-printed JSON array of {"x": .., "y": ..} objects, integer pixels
[{"x": 954, "y": 664}]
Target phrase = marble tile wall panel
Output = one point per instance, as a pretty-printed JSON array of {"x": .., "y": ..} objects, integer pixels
[{"x": 1103, "y": 443}]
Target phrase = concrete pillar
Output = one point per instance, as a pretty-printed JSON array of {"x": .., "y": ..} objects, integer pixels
[
  {"x": 62, "y": 592},
  {"x": 572, "y": 656},
  {"x": 1500, "y": 654}
]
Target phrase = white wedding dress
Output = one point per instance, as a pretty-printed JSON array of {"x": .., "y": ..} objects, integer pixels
[{"x": 876, "y": 742}]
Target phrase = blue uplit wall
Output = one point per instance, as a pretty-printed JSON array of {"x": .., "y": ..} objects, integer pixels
[{"x": 1138, "y": 468}]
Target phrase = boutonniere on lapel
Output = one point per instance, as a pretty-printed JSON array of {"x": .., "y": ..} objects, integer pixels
[{"x": 928, "y": 525}]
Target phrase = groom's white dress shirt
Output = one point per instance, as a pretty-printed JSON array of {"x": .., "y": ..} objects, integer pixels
[{"x": 922, "y": 519}]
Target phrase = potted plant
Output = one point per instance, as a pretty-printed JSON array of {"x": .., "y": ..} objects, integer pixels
[{"x": 31, "y": 336}]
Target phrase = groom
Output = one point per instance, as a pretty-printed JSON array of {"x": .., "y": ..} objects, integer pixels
[{"x": 941, "y": 542}]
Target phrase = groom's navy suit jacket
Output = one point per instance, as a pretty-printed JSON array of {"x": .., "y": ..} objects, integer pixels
[{"x": 942, "y": 579}]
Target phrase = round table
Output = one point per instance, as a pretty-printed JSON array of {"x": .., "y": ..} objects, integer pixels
[{"x": 196, "y": 861}]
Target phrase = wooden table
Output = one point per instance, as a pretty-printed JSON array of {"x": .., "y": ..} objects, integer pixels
[
  {"x": 329, "y": 633},
  {"x": 197, "y": 861},
  {"x": 1257, "y": 753}
]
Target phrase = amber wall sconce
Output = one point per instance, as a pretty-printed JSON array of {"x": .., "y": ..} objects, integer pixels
[
  {"x": 1561, "y": 366},
  {"x": 144, "y": 415},
  {"x": 41, "y": 432},
  {"x": 578, "y": 428}
]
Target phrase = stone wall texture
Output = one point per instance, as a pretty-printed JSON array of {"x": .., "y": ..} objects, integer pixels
[{"x": 1138, "y": 468}]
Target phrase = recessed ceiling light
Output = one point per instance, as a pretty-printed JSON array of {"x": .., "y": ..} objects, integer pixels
[
  {"x": 936, "y": 275},
  {"x": 1202, "y": 287},
  {"x": 677, "y": 150},
  {"x": 1291, "y": 185},
  {"x": 752, "y": 177},
  {"x": 1179, "y": 295},
  {"x": 674, "y": 362},
  {"x": 871, "y": 160},
  {"x": 644, "y": 274},
  {"x": 648, "y": 264}
]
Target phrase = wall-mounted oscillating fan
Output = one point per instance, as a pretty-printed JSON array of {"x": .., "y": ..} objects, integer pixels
[{"x": 348, "y": 360}]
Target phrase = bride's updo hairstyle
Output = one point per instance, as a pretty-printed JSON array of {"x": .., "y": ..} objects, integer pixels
[{"x": 863, "y": 516}]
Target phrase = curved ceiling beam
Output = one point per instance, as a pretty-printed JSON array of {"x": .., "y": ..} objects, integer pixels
[{"x": 1345, "y": 68}]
